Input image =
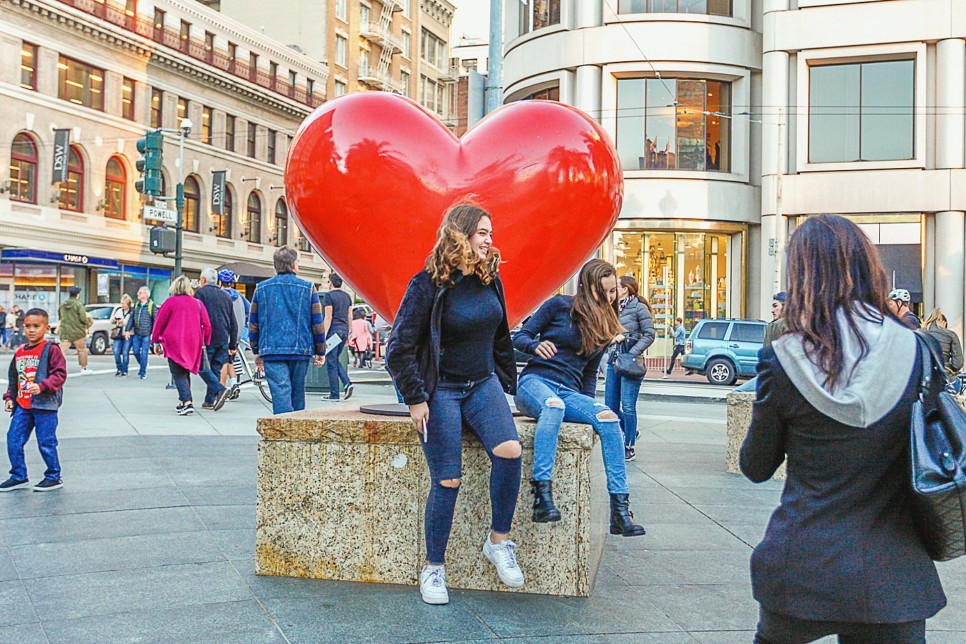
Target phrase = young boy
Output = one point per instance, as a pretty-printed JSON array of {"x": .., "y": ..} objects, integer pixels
[{"x": 34, "y": 393}]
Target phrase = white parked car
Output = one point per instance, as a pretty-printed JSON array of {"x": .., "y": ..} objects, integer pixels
[{"x": 99, "y": 335}]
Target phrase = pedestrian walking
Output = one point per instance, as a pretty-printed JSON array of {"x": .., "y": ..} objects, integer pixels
[
  {"x": 182, "y": 328},
  {"x": 841, "y": 554},
  {"x": 568, "y": 336},
  {"x": 899, "y": 300},
  {"x": 621, "y": 392},
  {"x": 240, "y": 306},
  {"x": 937, "y": 326},
  {"x": 35, "y": 382},
  {"x": 3, "y": 326},
  {"x": 139, "y": 328},
  {"x": 360, "y": 338},
  {"x": 73, "y": 326},
  {"x": 285, "y": 331},
  {"x": 120, "y": 340},
  {"x": 776, "y": 327},
  {"x": 680, "y": 340},
  {"x": 221, "y": 347},
  {"x": 451, "y": 357},
  {"x": 337, "y": 305}
]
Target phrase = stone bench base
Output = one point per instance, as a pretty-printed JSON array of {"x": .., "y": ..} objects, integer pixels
[
  {"x": 739, "y": 420},
  {"x": 341, "y": 495}
]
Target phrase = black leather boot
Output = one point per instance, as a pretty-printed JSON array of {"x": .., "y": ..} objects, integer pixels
[
  {"x": 543, "y": 508},
  {"x": 621, "y": 519}
]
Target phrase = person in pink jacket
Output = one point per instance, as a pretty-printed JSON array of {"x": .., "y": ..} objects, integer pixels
[
  {"x": 360, "y": 337},
  {"x": 183, "y": 329}
]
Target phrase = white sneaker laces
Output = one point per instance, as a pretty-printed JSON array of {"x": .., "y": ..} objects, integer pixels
[
  {"x": 437, "y": 578},
  {"x": 508, "y": 550}
]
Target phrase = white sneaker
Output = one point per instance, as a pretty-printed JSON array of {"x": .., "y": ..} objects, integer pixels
[
  {"x": 503, "y": 557},
  {"x": 86, "y": 372},
  {"x": 665, "y": 377},
  {"x": 432, "y": 585}
]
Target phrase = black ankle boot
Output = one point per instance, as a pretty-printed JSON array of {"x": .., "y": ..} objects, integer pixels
[
  {"x": 543, "y": 508},
  {"x": 621, "y": 519}
]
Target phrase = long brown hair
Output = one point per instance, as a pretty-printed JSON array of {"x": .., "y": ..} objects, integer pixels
[
  {"x": 597, "y": 319},
  {"x": 831, "y": 266},
  {"x": 628, "y": 282},
  {"x": 453, "y": 247}
]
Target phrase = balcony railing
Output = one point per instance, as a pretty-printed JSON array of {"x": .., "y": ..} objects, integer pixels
[
  {"x": 195, "y": 48},
  {"x": 380, "y": 35}
]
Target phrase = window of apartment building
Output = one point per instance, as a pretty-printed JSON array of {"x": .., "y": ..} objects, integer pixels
[
  {"x": 185, "y": 34},
  {"x": 273, "y": 74},
  {"x": 223, "y": 222},
  {"x": 157, "y": 108},
  {"x": 862, "y": 112},
  {"x": 704, "y": 7},
  {"x": 434, "y": 49},
  {"x": 72, "y": 191},
  {"x": 364, "y": 17},
  {"x": 341, "y": 47},
  {"x": 81, "y": 83},
  {"x": 252, "y": 134},
  {"x": 281, "y": 223},
  {"x": 340, "y": 88},
  {"x": 232, "y": 56},
  {"x": 159, "y": 15},
  {"x": 363, "y": 63},
  {"x": 405, "y": 7},
  {"x": 229, "y": 132},
  {"x": 192, "y": 203},
  {"x": 209, "y": 46},
  {"x": 404, "y": 82},
  {"x": 674, "y": 124},
  {"x": 23, "y": 169},
  {"x": 28, "y": 66},
  {"x": 272, "y": 140},
  {"x": 548, "y": 94},
  {"x": 309, "y": 88},
  {"x": 341, "y": 10},
  {"x": 182, "y": 110},
  {"x": 429, "y": 94},
  {"x": 303, "y": 241},
  {"x": 127, "y": 99},
  {"x": 537, "y": 14},
  {"x": 292, "y": 78},
  {"x": 130, "y": 7},
  {"x": 207, "y": 118},
  {"x": 252, "y": 67},
  {"x": 115, "y": 189},
  {"x": 406, "y": 42},
  {"x": 253, "y": 219}
]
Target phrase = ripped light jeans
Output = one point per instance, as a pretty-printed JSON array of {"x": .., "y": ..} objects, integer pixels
[{"x": 552, "y": 404}]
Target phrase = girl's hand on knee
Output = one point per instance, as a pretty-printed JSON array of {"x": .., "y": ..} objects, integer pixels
[{"x": 419, "y": 414}]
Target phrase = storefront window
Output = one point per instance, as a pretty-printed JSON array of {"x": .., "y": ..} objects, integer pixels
[
  {"x": 681, "y": 274},
  {"x": 674, "y": 124}
]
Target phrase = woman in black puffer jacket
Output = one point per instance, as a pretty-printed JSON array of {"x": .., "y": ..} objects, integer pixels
[
  {"x": 620, "y": 392},
  {"x": 936, "y": 325}
]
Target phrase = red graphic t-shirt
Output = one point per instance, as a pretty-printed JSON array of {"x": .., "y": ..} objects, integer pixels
[{"x": 26, "y": 360}]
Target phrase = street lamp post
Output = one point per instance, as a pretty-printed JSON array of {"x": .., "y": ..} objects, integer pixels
[{"x": 182, "y": 131}]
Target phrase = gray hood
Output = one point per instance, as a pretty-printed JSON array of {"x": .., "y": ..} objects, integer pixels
[{"x": 876, "y": 385}]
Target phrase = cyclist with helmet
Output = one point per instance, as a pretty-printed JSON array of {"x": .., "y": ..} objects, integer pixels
[
  {"x": 240, "y": 307},
  {"x": 899, "y": 299}
]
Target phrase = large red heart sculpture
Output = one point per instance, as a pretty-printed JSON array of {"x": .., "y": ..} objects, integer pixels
[{"x": 370, "y": 175}]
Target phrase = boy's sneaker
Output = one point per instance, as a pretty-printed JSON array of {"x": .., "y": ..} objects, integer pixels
[
  {"x": 235, "y": 393},
  {"x": 432, "y": 585},
  {"x": 13, "y": 484},
  {"x": 184, "y": 410},
  {"x": 629, "y": 454},
  {"x": 220, "y": 399},
  {"x": 503, "y": 557},
  {"x": 347, "y": 391},
  {"x": 207, "y": 405},
  {"x": 48, "y": 484}
]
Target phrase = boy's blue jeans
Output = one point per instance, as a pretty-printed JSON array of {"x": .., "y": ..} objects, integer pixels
[
  {"x": 286, "y": 380},
  {"x": 620, "y": 394},
  {"x": 551, "y": 404},
  {"x": 23, "y": 422}
]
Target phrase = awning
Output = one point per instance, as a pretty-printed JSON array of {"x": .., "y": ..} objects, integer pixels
[
  {"x": 48, "y": 257},
  {"x": 903, "y": 266},
  {"x": 249, "y": 273}
]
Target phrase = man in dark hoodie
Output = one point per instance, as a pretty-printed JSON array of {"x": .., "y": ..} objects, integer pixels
[{"x": 224, "y": 337}]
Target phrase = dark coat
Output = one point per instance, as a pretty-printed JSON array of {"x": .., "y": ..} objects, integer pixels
[
  {"x": 412, "y": 354},
  {"x": 842, "y": 545},
  {"x": 636, "y": 319},
  {"x": 224, "y": 327},
  {"x": 949, "y": 346}
]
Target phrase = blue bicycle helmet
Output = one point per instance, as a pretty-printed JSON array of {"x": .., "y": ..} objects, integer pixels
[{"x": 227, "y": 276}]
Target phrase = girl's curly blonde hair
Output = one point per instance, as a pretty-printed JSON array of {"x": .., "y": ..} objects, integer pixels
[{"x": 453, "y": 247}]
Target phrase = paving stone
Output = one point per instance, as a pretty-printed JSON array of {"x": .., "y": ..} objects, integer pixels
[
  {"x": 8, "y": 572},
  {"x": 68, "y": 500},
  {"x": 99, "y": 525},
  {"x": 24, "y": 634},
  {"x": 718, "y": 607},
  {"x": 227, "y": 517},
  {"x": 15, "y": 605}
]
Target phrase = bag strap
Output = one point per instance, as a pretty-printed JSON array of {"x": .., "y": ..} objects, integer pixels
[{"x": 931, "y": 365}]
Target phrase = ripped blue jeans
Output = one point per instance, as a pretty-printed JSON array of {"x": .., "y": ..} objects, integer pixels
[{"x": 552, "y": 404}]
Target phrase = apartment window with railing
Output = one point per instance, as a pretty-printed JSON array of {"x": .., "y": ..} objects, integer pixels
[
  {"x": 28, "y": 66},
  {"x": 209, "y": 47},
  {"x": 252, "y": 67},
  {"x": 862, "y": 112},
  {"x": 229, "y": 132},
  {"x": 341, "y": 49},
  {"x": 434, "y": 49},
  {"x": 81, "y": 84},
  {"x": 232, "y": 56},
  {"x": 207, "y": 117},
  {"x": 185, "y": 35},
  {"x": 127, "y": 99},
  {"x": 272, "y": 140},
  {"x": 309, "y": 88},
  {"x": 157, "y": 108},
  {"x": 702, "y": 7},
  {"x": 292, "y": 78},
  {"x": 252, "y": 134},
  {"x": 537, "y": 14},
  {"x": 341, "y": 9},
  {"x": 159, "y": 15},
  {"x": 182, "y": 110},
  {"x": 272, "y": 74},
  {"x": 674, "y": 124}
]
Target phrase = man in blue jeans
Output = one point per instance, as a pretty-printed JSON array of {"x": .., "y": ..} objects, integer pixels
[
  {"x": 140, "y": 324},
  {"x": 285, "y": 331},
  {"x": 224, "y": 337},
  {"x": 337, "y": 306}
]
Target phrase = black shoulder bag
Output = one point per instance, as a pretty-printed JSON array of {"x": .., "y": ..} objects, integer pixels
[
  {"x": 627, "y": 365},
  {"x": 938, "y": 459}
]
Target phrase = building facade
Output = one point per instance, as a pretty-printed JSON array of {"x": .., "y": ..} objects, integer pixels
[
  {"x": 107, "y": 73},
  {"x": 736, "y": 119}
]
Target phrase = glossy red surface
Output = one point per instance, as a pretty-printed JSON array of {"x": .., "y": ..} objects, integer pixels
[{"x": 370, "y": 175}]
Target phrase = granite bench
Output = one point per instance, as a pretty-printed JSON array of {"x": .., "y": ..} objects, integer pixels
[
  {"x": 739, "y": 420},
  {"x": 341, "y": 495}
]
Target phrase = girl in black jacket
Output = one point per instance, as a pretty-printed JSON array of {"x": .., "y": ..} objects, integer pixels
[
  {"x": 451, "y": 359},
  {"x": 841, "y": 554}
]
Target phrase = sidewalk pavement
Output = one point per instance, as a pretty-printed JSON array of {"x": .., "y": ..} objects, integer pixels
[{"x": 152, "y": 540}]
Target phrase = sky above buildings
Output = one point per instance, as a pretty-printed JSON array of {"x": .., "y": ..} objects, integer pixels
[{"x": 471, "y": 19}]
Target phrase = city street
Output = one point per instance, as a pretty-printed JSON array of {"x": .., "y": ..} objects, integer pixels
[{"x": 152, "y": 540}]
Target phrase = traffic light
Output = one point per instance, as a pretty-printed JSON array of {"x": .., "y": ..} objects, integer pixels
[
  {"x": 151, "y": 147},
  {"x": 163, "y": 240}
]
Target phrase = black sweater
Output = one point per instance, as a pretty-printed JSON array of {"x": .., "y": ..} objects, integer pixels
[{"x": 224, "y": 327}]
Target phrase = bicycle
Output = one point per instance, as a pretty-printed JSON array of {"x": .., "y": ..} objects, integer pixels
[{"x": 247, "y": 372}]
